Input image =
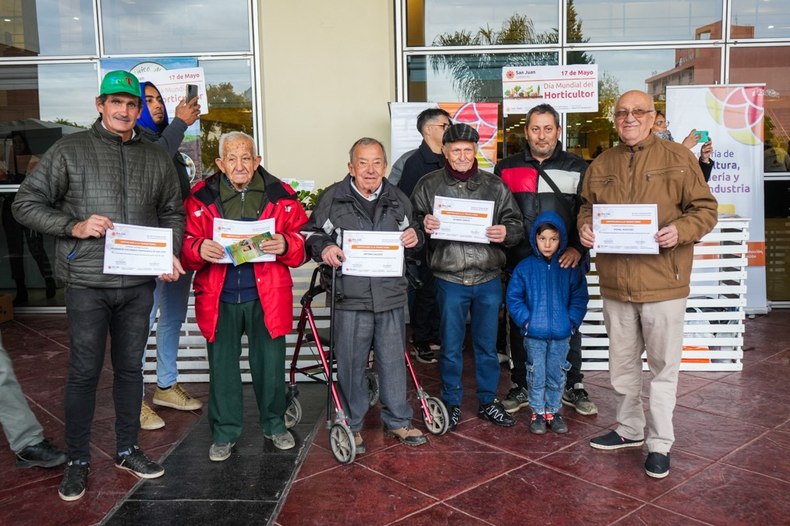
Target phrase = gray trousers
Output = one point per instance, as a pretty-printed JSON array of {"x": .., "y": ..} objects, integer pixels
[
  {"x": 19, "y": 423},
  {"x": 355, "y": 331},
  {"x": 656, "y": 328}
]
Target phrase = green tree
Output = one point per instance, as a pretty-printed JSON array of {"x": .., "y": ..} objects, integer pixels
[{"x": 228, "y": 111}]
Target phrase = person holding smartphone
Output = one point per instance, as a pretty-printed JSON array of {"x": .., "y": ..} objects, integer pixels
[
  {"x": 661, "y": 128},
  {"x": 170, "y": 299}
]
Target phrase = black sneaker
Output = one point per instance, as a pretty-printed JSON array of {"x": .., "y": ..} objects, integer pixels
[
  {"x": 612, "y": 440},
  {"x": 423, "y": 353},
  {"x": 496, "y": 414},
  {"x": 454, "y": 412},
  {"x": 578, "y": 398},
  {"x": 517, "y": 398},
  {"x": 72, "y": 487},
  {"x": 139, "y": 464},
  {"x": 657, "y": 465},
  {"x": 538, "y": 425},
  {"x": 41, "y": 455},
  {"x": 556, "y": 423}
]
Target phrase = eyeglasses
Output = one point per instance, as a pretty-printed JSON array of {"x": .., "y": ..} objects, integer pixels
[
  {"x": 444, "y": 125},
  {"x": 638, "y": 113},
  {"x": 662, "y": 123}
]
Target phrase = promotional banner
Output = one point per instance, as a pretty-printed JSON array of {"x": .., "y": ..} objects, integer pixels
[
  {"x": 567, "y": 88},
  {"x": 171, "y": 75},
  {"x": 732, "y": 116},
  {"x": 483, "y": 116}
]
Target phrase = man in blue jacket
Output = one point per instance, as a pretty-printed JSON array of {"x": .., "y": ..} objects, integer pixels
[{"x": 170, "y": 298}]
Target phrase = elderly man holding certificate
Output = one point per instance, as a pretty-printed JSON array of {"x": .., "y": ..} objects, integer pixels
[
  {"x": 472, "y": 217},
  {"x": 644, "y": 294},
  {"x": 372, "y": 221},
  {"x": 253, "y": 297}
]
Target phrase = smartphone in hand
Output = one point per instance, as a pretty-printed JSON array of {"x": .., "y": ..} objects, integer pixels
[
  {"x": 703, "y": 136},
  {"x": 192, "y": 92}
]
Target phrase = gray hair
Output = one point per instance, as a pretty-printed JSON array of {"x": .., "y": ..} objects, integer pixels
[
  {"x": 367, "y": 141},
  {"x": 234, "y": 135}
]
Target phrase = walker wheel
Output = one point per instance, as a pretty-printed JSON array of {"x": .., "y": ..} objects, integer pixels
[
  {"x": 293, "y": 413},
  {"x": 373, "y": 387},
  {"x": 439, "y": 416},
  {"x": 341, "y": 441}
]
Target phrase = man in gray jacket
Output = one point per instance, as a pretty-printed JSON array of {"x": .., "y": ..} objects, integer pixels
[
  {"x": 469, "y": 273},
  {"x": 371, "y": 309},
  {"x": 83, "y": 185}
]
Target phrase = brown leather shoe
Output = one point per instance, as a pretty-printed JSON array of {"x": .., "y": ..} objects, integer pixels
[
  {"x": 359, "y": 443},
  {"x": 408, "y": 435}
]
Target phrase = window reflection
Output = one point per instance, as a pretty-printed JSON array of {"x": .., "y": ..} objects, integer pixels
[
  {"x": 47, "y": 27},
  {"x": 40, "y": 104},
  {"x": 491, "y": 23},
  {"x": 648, "y": 70},
  {"x": 466, "y": 78},
  {"x": 156, "y": 27},
  {"x": 644, "y": 20},
  {"x": 760, "y": 19}
]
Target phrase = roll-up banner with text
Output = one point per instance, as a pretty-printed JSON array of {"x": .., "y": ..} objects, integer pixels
[
  {"x": 482, "y": 116},
  {"x": 733, "y": 117}
]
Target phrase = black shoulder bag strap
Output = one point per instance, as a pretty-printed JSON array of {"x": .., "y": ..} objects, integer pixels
[{"x": 557, "y": 192}]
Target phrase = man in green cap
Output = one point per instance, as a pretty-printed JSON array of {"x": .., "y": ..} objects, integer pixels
[{"x": 83, "y": 185}]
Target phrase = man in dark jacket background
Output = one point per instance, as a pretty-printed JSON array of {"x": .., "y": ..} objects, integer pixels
[
  {"x": 371, "y": 311},
  {"x": 423, "y": 309},
  {"x": 83, "y": 184},
  {"x": 534, "y": 196},
  {"x": 170, "y": 298}
]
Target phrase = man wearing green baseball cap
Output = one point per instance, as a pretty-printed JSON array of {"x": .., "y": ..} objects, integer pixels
[{"x": 83, "y": 185}]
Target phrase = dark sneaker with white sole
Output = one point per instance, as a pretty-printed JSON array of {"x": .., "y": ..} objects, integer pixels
[
  {"x": 578, "y": 398},
  {"x": 657, "y": 465},
  {"x": 41, "y": 455},
  {"x": 612, "y": 440},
  {"x": 424, "y": 353},
  {"x": 134, "y": 460},
  {"x": 517, "y": 398},
  {"x": 496, "y": 414},
  {"x": 454, "y": 412},
  {"x": 75, "y": 478}
]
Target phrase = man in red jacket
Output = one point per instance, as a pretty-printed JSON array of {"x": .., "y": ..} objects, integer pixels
[{"x": 252, "y": 298}]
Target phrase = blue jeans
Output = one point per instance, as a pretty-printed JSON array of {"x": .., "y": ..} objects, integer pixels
[
  {"x": 355, "y": 331},
  {"x": 171, "y": 299},
  {"x": 484, "y": 300},
  {"x": 547, "y": 365},
  {"x": 91, "y": 314}
]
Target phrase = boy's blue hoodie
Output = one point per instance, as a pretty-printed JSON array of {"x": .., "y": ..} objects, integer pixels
[{"x": 552, "y": 299}]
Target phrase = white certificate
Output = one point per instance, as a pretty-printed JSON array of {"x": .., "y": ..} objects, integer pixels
[
  {"x": 372, "y": 254},
  {"x": 228, "y": 231},
  {"x": 625, "y": 229},
  {"x": 138, "y": 250},
  {"x": 462, "y": 219}
]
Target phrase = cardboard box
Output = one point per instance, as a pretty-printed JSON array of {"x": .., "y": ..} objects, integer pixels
[{"x": 6, "y": 308}]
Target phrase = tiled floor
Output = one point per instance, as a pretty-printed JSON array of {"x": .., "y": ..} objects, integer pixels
[{"x": 729, "y": 464}]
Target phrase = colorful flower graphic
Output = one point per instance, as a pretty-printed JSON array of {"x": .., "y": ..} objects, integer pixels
[
  {"x": 740, "y": 110},
  {"x": 483, "y": 117}
]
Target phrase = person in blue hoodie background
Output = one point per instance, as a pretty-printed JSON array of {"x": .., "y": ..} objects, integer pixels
[
  {"x": 170, "y": 299},
  {"x": 549, "y": 303}
]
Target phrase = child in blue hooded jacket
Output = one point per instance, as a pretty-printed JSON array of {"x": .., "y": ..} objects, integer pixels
[{"x": 549, "y": 303}]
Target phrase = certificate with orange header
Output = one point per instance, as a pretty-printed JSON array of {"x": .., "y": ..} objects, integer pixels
[
  {"x": 138, "y": 250},
  {"x": 625, "y": 229},
  {"x": 372, "y": 254},
  {"x": 462, "y": 219}
]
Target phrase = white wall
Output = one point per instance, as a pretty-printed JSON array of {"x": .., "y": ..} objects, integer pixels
[{"x": 328, "y": 72}]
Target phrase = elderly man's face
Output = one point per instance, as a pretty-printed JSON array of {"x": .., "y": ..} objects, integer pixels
[
  {"x": 156, "y": 107},
  {"x": 460, "y": 155},
  {"x": 634, "y": 129},
  {"x": 367, "y": 168},
  {"x": 238, "y": 162},
  {"x": 542, "y": 134}
]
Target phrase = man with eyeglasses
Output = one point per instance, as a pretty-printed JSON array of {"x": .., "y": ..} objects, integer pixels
[
  {"x": 530, "y": 175},
  {"x": 423, "y": 309},
  {"x": 644, "y": 296},
  {"x": 468, "y": 274}
]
